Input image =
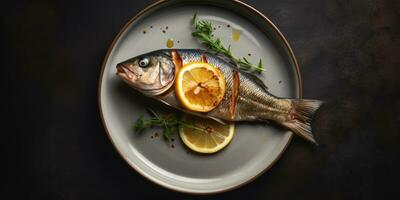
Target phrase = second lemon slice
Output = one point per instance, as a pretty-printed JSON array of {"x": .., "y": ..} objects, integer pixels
[{"x": 206, "y": 135}]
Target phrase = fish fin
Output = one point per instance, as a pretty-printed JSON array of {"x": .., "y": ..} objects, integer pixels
[
  {"x": 299, "y": 119},
  {"x": 248, "y": 74},
  {"x": 256, "y": 79},
  {"x": 217, "y": 120},
  {"x": 204, "y": 116},
  {"x": 226, "y": 59},
  {"x": 301, "y": 129}
]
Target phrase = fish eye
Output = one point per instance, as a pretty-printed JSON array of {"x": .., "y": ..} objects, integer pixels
[{"x": 144, "y": 62}]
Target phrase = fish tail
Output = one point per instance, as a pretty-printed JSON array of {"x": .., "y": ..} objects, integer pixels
[{"x": 300, "y": 117}]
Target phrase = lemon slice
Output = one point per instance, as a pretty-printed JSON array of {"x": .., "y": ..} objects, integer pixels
[
  {"x": 206, "y": 135},
  {"x": 200, "y": 86}
]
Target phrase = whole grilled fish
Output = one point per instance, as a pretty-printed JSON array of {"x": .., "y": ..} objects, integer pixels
[{"x": 246, "y": 97}]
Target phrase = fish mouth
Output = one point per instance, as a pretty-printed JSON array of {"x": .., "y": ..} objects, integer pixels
[
  {"x": 126, "y": 73},
  {"x": 120, "y": 68},
  {"x": 129, "y": 76}
]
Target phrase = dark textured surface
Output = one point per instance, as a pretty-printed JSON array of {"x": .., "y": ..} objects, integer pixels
[{"x": 54, "y": 145}]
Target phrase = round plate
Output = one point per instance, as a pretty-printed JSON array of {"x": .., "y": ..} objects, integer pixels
[{"x": 255, "y": 146}]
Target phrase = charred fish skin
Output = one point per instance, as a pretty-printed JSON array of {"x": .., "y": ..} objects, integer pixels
[{"x": 246, "y": 97}]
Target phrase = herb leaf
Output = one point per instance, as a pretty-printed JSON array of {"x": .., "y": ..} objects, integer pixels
[
  {"x": 169, "y": 123},
  {"x": 203, "y": 32},
  {"x": 141, "y": 124}
]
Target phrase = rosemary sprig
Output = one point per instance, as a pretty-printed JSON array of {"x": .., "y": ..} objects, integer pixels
[
  {"x": 170, "y": 124},
  {"x": 204, "y": 34}
]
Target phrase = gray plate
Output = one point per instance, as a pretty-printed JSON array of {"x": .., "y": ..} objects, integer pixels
[{"x": 255, "y": 147}]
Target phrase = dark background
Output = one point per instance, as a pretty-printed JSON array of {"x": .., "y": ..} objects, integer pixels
[{"x": 55, "y": 147}]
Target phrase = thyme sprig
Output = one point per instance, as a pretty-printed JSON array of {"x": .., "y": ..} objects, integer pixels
[
  {"x": 203, "y": 32},
  {"x": 170, "y": 124}
]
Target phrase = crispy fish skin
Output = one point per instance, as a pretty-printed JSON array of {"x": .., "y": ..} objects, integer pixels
[{"x": 246, "y": 97}]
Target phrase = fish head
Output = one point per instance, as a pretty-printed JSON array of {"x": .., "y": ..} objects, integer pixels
[{"x": 151, "y": 74}]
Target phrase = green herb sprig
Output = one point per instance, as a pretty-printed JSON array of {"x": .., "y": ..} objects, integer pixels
[
  {"x": 169, "y": 123},
  {"x": 204, "y": 34}
]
